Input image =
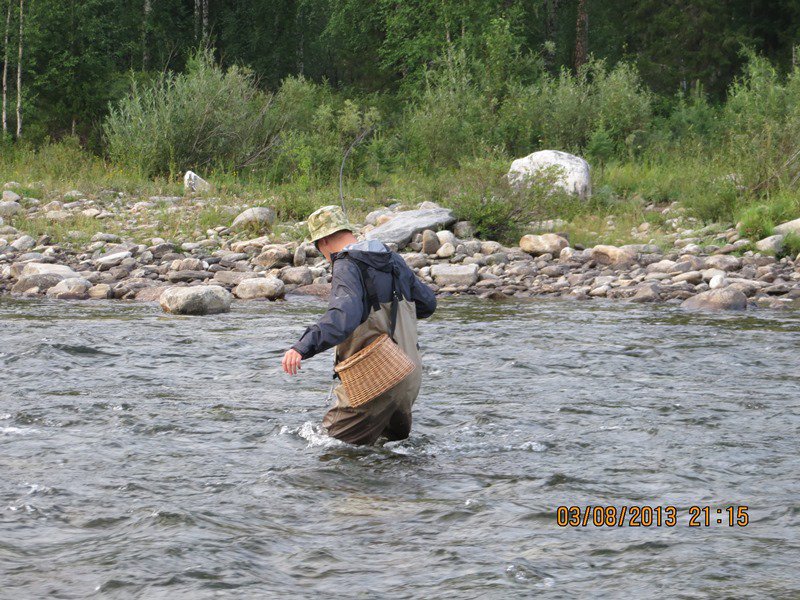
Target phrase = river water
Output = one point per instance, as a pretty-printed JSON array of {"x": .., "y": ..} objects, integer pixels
[{"x": 145, "y": 455}]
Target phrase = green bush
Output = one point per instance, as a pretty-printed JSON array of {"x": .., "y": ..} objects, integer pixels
[
  {"x": 762, "y": 121},
  {"x": 449, "y": 119},
  {"x": 791, "y": 246},
  {"x": 565, "y": 112},
  {"x": 202, "y": 119}
]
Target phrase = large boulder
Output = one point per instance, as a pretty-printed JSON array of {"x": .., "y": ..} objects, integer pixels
[
  {"x": 549, "y": 243},
  {"x": 788, "y": 227},
  {"x": 74, "y": 288},
  {"x": 258, "y": 288},
  {"x": 11, "y": 196},
  {"x": 717, "y": 299},
  {"x": 257, "y": 217},
  {"x": 192, "y": 182},
  {"x": 572, "y": 173},
  {"x": 34, "y": 268},
  {"x": 196, "y": 300},
  {"x": 455, "y": 274},
  {"x": 406, "y": 224}
]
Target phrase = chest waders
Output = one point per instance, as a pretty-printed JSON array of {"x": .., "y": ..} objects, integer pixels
[{"x": 390, "y": 413}]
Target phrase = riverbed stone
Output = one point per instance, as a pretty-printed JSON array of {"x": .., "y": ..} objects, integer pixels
[
  {"x": 273, "y": 257},
  {"x": 613, "y": 255},
  {"x": 233, "y": 277},
  {"x": 269, "y": 288},
  {"x": 648, "y": 292},
  {"x": 430, "y": 242},
  {"x": 446, "y": 250},
  {"x": 35, "y": 268},
  {"x": 10, "y": 208},
  {"x": 23, "y": 243},
  {"x": 724, "y": 262},
  {"x": 297, "y": 276},
  {"x": 11, "y": 196},
  {"x": 788, "y": 227},
  {"x": 569, "y": 173},
  {"x": 773, "y": 243},
  {"x": 405, "y": 224},
  {"x": 108, "y": 261},
  {"x": 73, "y": 288},
  {"x": 100, "y": 291},
  {"x": 548, "y": 243},
  {"x": 455, "y": 275},
  {"x": 719, "y": 299},
  {"x": 260, "y": 217},
  {"x": 36, "y": 283},
  {"x": 188, "y": 275},
  {"x": 196, "y": 300}
]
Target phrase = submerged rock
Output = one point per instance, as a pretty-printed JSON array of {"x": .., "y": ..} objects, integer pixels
[
  {"x": 718, "y": 299},
  {"x": 196, "y": 300}
]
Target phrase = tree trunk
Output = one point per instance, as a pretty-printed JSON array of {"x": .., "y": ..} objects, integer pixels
[
  {"x": 145, "y": 27},
  {"x": 551, "y": 6},
  {"x": 581, "y": 36},
  {"x": 5, "y": 67},
  {"x": 196, "y": 19},
  {"x": 19, "y": 76},
  {"x": 205, "y": 19}
]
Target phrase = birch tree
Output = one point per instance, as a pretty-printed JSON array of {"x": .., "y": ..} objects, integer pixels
[
  {"x": 5, "y": 66},
  {"x": 145, "y": 28},
  {"x": 19, "y": 74},
  {"x": 581, "y": 36}
]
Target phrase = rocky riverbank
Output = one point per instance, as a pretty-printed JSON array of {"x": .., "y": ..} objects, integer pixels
[{"x": 205, "y": 275}]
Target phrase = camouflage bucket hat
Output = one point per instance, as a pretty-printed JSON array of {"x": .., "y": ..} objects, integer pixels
[{"x": 327, "y": 220}]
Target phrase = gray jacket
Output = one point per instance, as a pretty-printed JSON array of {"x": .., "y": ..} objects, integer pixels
[{"x": 348, "y": 305}]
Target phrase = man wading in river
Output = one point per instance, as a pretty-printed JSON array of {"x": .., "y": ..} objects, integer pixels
[{"x": 359, "y": 311}]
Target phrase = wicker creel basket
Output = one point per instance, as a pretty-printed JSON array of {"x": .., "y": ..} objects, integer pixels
[{"x": 373, "y": 370}]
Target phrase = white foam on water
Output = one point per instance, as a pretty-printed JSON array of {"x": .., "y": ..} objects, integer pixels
[
  {"x": 313, "y": 433},
  {"x": 5, "y": 416},
  {"x": 16, "y": 430}
]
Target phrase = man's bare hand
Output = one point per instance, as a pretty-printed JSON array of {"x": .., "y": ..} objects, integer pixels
[{"x": 291, "y": 362}]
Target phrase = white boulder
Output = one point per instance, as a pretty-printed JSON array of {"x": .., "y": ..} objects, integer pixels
[
  {"x": 192, "y": 182},
  {"x": 572, "y": 172}
]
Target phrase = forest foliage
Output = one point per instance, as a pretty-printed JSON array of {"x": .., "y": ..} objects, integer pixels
[{"x": 696, "y": 101}]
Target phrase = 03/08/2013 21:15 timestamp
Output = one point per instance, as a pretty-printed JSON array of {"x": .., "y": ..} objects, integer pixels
[{"x": 650, "y": 516}]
